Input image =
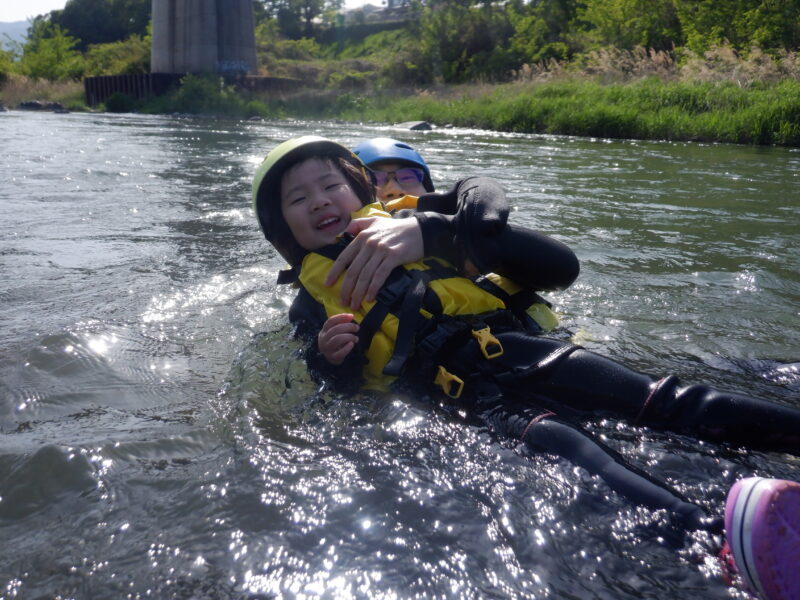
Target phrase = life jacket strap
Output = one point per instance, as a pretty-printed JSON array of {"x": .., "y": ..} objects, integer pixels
[
  {"x": 518, "y": 303},
  {"x": 444, "y": 330},
  {"x": 286, "y": 276},
  {"x": 407, "y": 329},
  {"x": 389, "y": 296},
  {"x": 452, "y": 385}
]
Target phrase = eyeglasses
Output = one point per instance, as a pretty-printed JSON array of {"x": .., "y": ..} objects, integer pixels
[{"x": 404, "y": 176}]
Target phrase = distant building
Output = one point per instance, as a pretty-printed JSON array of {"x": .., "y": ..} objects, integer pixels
[{"x": 395, "y": 10}]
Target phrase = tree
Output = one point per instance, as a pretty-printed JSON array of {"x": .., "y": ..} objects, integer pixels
[
  {"x": 6, "y": 64},
  {"x": 298, "y": 18},
  {"x": 259, "y": 12},
  {"x": 542, "y": 29},
  {"x": 465, "y": 40},
  {"x": 49, "y": 53},
  {"x": 103, "y": 21},
  {"x": 770, "y": 24},
  {"x": 629, "y": 23}
]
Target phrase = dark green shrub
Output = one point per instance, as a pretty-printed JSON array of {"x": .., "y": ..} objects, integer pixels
[{"x": 120, "y": 103}]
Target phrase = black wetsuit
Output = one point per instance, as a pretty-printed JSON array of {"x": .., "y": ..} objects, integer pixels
[{"x": 525, "y": 392}]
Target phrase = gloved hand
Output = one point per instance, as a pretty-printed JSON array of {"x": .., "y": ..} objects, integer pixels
[{"x": 477, "y": 211}]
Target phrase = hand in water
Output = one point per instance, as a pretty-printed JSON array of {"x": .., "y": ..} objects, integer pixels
[
  {"x": 337, "y": 338},
  {"x": 379, "y": 246}
]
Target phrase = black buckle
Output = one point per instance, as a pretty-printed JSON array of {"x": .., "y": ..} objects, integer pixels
[
  {"x": 394, "y": 289},
  {"x": 431, "y": 343}
]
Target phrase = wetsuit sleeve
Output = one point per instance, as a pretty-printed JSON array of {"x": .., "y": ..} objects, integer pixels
[
  {"x": 307, "y": 316},
  {"x": 470, "y": 222},
  {"x": 437, "y": 235},
  {"x": 534, "y": 260}
]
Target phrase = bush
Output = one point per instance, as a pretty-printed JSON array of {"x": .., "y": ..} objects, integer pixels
[
  {"x": 199, "y": 94},
  {"x": 6, "y": 65},
  {"x": 120, "y": 103},
  {"x": 255, "y": 108},
  {"x": 128, "y": 57}
]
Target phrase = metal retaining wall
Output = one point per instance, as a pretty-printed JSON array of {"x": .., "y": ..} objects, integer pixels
[
  {"x": 98, "y": 89},
  {"x": 146, "y": 85}
]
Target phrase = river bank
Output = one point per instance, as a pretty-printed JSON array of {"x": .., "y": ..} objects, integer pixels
[{"x": 647, "y": 109}]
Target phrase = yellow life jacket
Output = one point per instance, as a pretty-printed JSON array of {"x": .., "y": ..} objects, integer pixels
[
  {"x": 439, "y": 290},
  {"x": 536, "y": 308}
]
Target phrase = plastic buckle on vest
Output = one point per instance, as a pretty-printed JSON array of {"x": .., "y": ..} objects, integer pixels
[
  {"x": 486, "y": 339},
  {"x": 447, "y": 381}
]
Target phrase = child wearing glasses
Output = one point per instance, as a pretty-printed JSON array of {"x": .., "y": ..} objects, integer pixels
[
  {"x": 398, "y": 170},
  {"x": 434, "y": 332}
]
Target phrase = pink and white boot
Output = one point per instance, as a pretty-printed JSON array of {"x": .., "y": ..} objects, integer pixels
[{"x": 762, "y": 527}]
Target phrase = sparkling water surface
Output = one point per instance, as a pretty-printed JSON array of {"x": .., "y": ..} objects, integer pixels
[{"x": 159, "y": 437}]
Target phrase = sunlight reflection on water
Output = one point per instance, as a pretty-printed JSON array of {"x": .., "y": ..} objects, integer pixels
[{"x": 157, "y": 416}]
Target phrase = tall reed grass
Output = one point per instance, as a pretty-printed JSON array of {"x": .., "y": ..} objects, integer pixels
[
  {"x": 719, "y": 64},
  {"x": 18, "y": 88}
]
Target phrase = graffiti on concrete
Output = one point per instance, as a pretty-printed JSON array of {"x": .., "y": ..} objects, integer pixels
[{"x": 233, "y": 66}]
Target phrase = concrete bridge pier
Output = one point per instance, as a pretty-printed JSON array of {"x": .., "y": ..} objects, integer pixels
[{"x": 203, "y": 36}]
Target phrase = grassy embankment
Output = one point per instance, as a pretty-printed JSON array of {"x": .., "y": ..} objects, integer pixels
[
  {"x": 645, "y": 109},
  {"x": 720, "y": 109},
  {"x": 717, "y": 97}
]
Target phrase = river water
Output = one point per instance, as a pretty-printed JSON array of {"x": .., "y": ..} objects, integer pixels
[{"x": 159, "y": 437}]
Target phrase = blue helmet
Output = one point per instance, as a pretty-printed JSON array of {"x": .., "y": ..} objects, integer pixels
[{"x": 378, "y": 150}]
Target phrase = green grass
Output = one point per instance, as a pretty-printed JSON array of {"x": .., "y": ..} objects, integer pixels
[{"x": 647, "y": 109}]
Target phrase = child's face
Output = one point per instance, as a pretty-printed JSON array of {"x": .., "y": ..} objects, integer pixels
[
  {"x": 316, "y": 202},
  {"x": 403, "y": 180}
]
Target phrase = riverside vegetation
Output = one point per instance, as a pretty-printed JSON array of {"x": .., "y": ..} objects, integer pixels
[{"x": 655, "y": 69}]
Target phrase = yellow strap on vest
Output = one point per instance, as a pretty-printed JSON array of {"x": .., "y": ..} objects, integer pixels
[
  {"x": 374, "y": 209},
  {"x": 539, "y": 312},
  {"x": 543, "y": 315},
  {"x": 400, "y": 203}
]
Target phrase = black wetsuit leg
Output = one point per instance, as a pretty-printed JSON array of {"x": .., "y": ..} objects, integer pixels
[
  {"x": 547, "y": 433},
  {"x": 556, "y": 374}
]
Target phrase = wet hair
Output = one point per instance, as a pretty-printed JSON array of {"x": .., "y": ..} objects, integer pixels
[{"x": 356, "y": 177}]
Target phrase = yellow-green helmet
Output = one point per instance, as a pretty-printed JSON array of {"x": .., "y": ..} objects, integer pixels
[{"x": 267, "y": 187}]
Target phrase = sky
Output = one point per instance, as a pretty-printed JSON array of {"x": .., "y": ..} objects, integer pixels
[{"x": 21, "y": 10}]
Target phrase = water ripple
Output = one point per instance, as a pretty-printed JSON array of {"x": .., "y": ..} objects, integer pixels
[{"x": 157, "y": 417}]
